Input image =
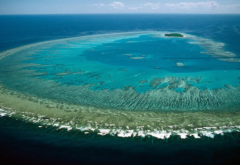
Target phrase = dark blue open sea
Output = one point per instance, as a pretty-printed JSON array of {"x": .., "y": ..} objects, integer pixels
[{"x": 116, "y": 89}]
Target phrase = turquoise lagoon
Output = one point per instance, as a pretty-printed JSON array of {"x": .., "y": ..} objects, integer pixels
[{"x": 124, "y": 84}]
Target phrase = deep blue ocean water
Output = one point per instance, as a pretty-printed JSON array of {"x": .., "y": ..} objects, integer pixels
[{"x": 22, "y": 30}]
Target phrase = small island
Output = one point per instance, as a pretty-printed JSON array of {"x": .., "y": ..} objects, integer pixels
[{"x": 174, "y": 35}]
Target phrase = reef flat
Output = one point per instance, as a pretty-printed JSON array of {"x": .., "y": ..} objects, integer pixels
[{"x": 118, "y": 122}]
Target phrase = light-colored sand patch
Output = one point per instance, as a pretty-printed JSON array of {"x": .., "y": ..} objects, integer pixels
[
  {"x": 137, "y": 58},
  {"x": 127, "y": 54},
  {"x": 180, "y": 64},
  {"x": 230, "y": 59}
]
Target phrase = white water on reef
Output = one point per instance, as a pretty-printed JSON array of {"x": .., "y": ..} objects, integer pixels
[
  {"x": 118, "y": 93},
  {"x": 123, "y": 132}
]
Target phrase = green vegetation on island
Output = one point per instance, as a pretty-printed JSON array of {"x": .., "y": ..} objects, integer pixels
[{"x": 174, "y": 35}]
